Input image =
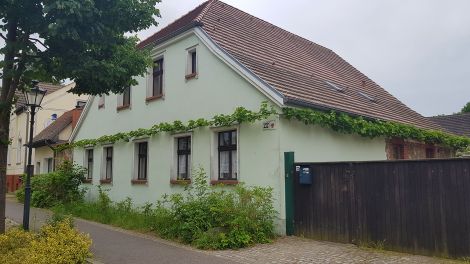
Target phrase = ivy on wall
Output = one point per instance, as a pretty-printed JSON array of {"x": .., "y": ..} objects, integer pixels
[
  {"x": 347, "y": 124},
  {"x": 338, "y": 122}
]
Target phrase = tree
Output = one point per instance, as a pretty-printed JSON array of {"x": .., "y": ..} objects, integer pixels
[
  {"x": 83, "y": 40},
  {"x": 466, "y": 108}
]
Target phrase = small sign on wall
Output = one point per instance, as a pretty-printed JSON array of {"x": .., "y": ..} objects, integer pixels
[{"x": 269, "y": 125}]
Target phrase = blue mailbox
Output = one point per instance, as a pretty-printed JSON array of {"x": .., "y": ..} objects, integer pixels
[{"x": 305, "y": 175}]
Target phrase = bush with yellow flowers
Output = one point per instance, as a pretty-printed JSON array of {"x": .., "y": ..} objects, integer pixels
[{"x": 56, "y": 243}]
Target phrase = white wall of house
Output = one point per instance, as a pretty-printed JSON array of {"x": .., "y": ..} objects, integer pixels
[
  {"x": 57, "y": 103},
  {"x": 217, "y": 90}
]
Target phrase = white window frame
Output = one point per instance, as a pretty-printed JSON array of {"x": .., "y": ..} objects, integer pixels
[
  {"x": 85, "y": 163},
  {"x": 189, "y": 52},
  {"x": 9, "y": 155},
  {"x": 215, "y": 151},
  {"x": 103, "y": 163},
  {"x": 135, "y": 169},
  {"x": 174, "y": 155},
  {"x": 46, "y": 163}
]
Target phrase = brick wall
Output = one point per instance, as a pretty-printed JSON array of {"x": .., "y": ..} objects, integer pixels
[{"x": 408, "y": 149}]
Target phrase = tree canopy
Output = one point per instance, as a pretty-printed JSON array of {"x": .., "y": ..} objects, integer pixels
[
  {"x": 86, "y": 41},
  {"x": 466, "y": 108}
]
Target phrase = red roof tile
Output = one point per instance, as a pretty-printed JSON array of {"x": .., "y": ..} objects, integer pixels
[{"x": 294, "y": 66}]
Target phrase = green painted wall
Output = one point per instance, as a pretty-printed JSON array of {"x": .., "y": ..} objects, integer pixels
[{"x": 218, "y": 89}]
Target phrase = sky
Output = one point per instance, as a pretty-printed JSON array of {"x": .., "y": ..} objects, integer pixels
[{"x": 418, "y": 50}]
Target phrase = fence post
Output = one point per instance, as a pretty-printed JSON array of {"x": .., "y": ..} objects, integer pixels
[{"x": 289, "y": 191}]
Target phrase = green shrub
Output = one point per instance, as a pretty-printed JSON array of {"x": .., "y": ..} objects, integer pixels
[
  {"x": 60, "y": 186},
  {"x": 54, "y": 244},
  {"x": 217, "y": 218}
]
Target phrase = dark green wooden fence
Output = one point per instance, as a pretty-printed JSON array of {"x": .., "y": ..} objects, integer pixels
[{"x": 420, "y": 207}]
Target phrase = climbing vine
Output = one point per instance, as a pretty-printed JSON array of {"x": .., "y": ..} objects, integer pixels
[
  {"x": 239, "y": 116},
  {"x": 338, "y": 122},
  {"x": 373, "y": 128}
]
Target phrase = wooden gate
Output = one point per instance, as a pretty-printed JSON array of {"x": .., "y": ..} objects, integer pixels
[{"x": 420, "y": 207}]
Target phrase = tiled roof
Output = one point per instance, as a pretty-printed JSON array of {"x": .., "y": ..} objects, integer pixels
[
  {"x": 50, "y": 134},
  {"x": 50, "y": 88},
  {"x": 458, "y": 123},
  {"x": 296, "y": 67}
]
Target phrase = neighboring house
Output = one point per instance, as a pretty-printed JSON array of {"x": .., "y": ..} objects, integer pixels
[
  {"x": 458, "y": 124},
  {"x": 57, "y": 133},
  {"x": 209, "y": 62},
  {"x": 56, "y": 102}
]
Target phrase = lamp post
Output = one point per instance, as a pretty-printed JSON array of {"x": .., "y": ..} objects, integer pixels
[{"x": 33, "y": 101}]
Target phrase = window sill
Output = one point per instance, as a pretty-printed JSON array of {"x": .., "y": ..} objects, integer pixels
[
  {"x": 87, "y": 181},
  {"x": 180, "y": 182},
  {"x": 153, "y": 98},
  {"x": 123, "y": 107},
  {"x": 108, "y": 181},
  {"x": 224, "y": 182},
  {"x": 191, "y": 76},
  {"x": 139, "y": 182}
]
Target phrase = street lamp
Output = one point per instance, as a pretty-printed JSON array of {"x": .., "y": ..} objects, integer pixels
[{"x": 33, "y": 101}]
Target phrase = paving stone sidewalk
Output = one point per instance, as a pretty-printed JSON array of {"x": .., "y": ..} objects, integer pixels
[{"x": 302, "y": 251}]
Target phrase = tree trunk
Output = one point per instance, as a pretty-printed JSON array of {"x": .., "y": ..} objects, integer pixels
[{"x": 4, "y": 139}]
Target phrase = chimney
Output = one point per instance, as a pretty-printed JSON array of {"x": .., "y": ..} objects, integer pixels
[{"x": 76, "y": 113}]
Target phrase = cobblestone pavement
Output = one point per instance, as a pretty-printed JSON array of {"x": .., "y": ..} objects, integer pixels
[{"x": 302, "y": 251}]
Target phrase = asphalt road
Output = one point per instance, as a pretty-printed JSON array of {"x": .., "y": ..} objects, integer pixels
[{"x": 112, "y": 245}]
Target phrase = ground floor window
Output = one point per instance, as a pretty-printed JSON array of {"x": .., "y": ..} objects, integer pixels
[
  {"x": 430, "y": 153},
  {"x": 142, "y": 160},
  {"x": 227, "y": 155},
  {"x": 108, "y": 163},
  {"x": 49, "y": 165},
  {"x": 89, "y": 163},
  {"x": 398, "y": 151},
  {"x": 183, "y": 154}
]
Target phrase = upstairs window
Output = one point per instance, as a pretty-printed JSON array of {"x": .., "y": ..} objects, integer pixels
[
  {"x": 157, "y": 86},
  {"x": 227, "y": 149},
  {"x": 183, "y": 157},
  {"x": 124, "y": 99},
  {"x": 89, "y": 163},
  {"x": 101, "y": 101},
  {"x": 191, "y": 69}
]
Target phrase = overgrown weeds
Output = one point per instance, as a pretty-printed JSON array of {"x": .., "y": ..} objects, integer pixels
[{"x": 208, "y": 217}]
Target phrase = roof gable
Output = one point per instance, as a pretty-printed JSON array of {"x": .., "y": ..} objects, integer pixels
[
  {"x": 297, "y": 68},
  {"x": 21, "y": 101}
]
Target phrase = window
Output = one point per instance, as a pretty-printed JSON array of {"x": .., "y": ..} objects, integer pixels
[
  {"x": 142, "y": 158},
  {"x": 9, "y": 156},
  {"x": 38, "y": 168},
  {"x": 18, "y": 150},
  {"x": 430, "y": 153},
  {"x": 124, "y": 99},
  {"x": 101, "y": 101},
  {"x": 191, "y": 70},
  {"x": 89, "y": 163},
  {"x": 183, "y": 154},
  {"x": 227, "y": 148},
  {"x": 108, "y": 163},
  {"x": 157, "y": 86},
  {"x": 49, "y": 165},
  {"x": 398, "y": 151}
]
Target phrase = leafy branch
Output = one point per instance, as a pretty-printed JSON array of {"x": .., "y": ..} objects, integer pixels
[{"x": 338, "y": 122}]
